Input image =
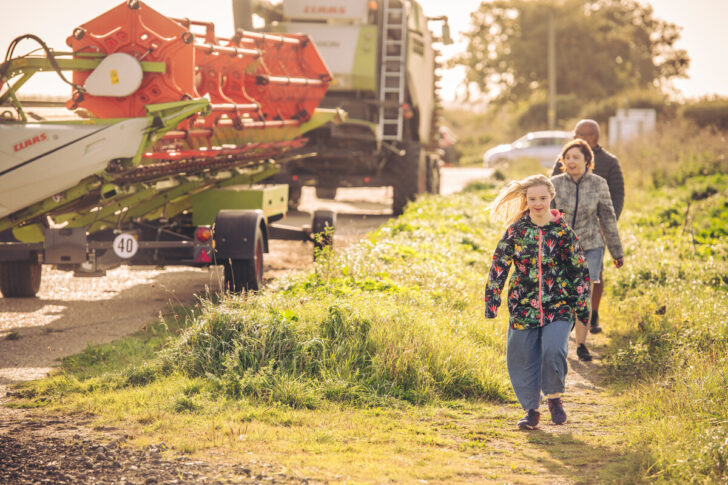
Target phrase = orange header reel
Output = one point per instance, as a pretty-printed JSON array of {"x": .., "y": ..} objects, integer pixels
[{"x": 252, "y": 80}]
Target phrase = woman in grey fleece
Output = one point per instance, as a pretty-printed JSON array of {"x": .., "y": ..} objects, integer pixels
[{"x": 583, "y": 198}]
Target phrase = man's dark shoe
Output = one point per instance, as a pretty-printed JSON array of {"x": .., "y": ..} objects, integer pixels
[
  {"x": 530, "y": 420},
  {"x": 594, "y": 327},
  {"x": 558, "y": 415},
  {"x": 583, "y": 353}
]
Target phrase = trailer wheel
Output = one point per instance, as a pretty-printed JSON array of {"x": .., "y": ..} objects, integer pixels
[
  {"x": 409, "y": 176},
  {"x": 433, "y": 175},
  {"x": 322, "y": 230},
  {"x": 245, "y": 274},
  {"x": 20, "y": 279}
]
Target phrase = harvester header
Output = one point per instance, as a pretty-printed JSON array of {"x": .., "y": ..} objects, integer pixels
[
  {"x": 174, "y": 125},
  {"x": 250, "y": 77}
]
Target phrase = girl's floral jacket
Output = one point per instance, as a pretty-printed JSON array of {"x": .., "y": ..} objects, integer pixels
[{"x": 550, "y": 281}]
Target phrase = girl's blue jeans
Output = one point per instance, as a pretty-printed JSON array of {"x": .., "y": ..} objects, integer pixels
[{"x": 536, "y": 360}]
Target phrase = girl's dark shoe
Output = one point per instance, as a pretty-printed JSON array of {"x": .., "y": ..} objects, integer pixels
[
  {"x": 594, "y": 326},
  {"x": 583, "y": 353},
  {"x": 530, "y": 420},
  {"x": 556, "y": 408}
]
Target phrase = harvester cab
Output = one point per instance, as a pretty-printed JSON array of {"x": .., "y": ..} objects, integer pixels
[{"x": 381, "y": 56}]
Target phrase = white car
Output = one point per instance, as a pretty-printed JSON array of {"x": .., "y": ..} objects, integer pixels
[{"x": 544, "y": 146}]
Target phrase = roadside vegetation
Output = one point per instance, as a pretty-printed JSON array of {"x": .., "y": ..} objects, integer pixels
[
  {"x": 668, "y": 353},
  {"x": 378, "y": 365}
]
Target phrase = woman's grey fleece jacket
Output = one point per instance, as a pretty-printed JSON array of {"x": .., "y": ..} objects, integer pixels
[{"x": 587, "y": 208}]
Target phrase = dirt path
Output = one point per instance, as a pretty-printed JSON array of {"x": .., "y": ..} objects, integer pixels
[
  {"x": 67, "y": 450},
  {"x": 576, "y": 452}
]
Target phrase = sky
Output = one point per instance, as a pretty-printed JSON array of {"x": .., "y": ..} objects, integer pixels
[{"x": 703, "y": 35}]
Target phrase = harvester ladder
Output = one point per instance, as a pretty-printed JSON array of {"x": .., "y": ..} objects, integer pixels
[{"x": 393, "y": 74}]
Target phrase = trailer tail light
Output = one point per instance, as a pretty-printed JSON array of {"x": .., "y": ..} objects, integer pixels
[
  {"x": 202, "y": 257},
  {"x": 203, "y": 234}
]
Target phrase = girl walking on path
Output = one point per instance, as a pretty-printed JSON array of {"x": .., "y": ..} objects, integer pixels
[
  {"x": 584, "y": 200},
  {"x": 548, "y": 288}
]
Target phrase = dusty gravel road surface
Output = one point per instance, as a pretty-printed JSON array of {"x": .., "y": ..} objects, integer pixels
[{"x": 70, "y": 313}]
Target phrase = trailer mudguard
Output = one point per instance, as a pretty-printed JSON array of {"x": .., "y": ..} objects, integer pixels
[
  {"x": 10, "y": 253},
  {"x": 234, "y": 233}
]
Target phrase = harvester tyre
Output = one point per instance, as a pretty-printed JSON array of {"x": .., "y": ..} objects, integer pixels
[
  {"x": 409, "y": 176},
  {"x": 20, "y": 279},
  {"x": 245, "y": 274},
  {"x": 322, "y": 230}
]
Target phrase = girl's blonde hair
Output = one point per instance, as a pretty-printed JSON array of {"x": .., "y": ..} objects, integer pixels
[{"x": 510, "y": 204}]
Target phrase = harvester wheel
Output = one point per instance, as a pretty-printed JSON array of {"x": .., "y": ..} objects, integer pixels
[
  {"x": 322, "y": 230},
  {"x": 245, "y": 274},
  {"x": 409, "y": 176},
  {"x": 20, "y": 279}
]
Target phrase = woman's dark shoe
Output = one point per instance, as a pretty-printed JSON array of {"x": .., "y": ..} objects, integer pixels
[
  {"x": 583, "y": 353},
  {"x": 556, "y": 408},
  {"x": 530, "y": 420},
  {"x": 594, "y": 326}
]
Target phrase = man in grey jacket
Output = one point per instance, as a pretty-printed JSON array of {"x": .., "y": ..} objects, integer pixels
[{"x": 606, "y": 166}]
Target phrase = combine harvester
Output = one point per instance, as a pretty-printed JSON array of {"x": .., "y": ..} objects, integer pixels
[{"x": 173, "y": 127}]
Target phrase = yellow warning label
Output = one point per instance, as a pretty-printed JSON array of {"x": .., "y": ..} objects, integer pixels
[{"x": 114, "y": 76}]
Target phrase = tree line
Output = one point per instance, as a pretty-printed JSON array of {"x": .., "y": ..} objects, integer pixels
[{"x": 603, "y": 48}]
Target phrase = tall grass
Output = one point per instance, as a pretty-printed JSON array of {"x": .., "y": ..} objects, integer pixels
[
  {"x": 669, "y": 305},
  {"x": 396, "y": 317}
]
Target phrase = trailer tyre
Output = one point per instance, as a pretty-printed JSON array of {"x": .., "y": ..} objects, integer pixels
[
  {"x": 20, "y": 279},
  {"x": 322, "y": 230},
  {"x": 245, "y": 274},
  {"x": 409, "y": 176}
]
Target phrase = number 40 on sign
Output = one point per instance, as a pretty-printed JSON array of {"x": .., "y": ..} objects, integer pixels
[{"x": 125, "y": 245}]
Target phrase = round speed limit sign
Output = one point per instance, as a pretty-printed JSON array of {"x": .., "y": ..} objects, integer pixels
[{"x": 125, "y": 246}]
